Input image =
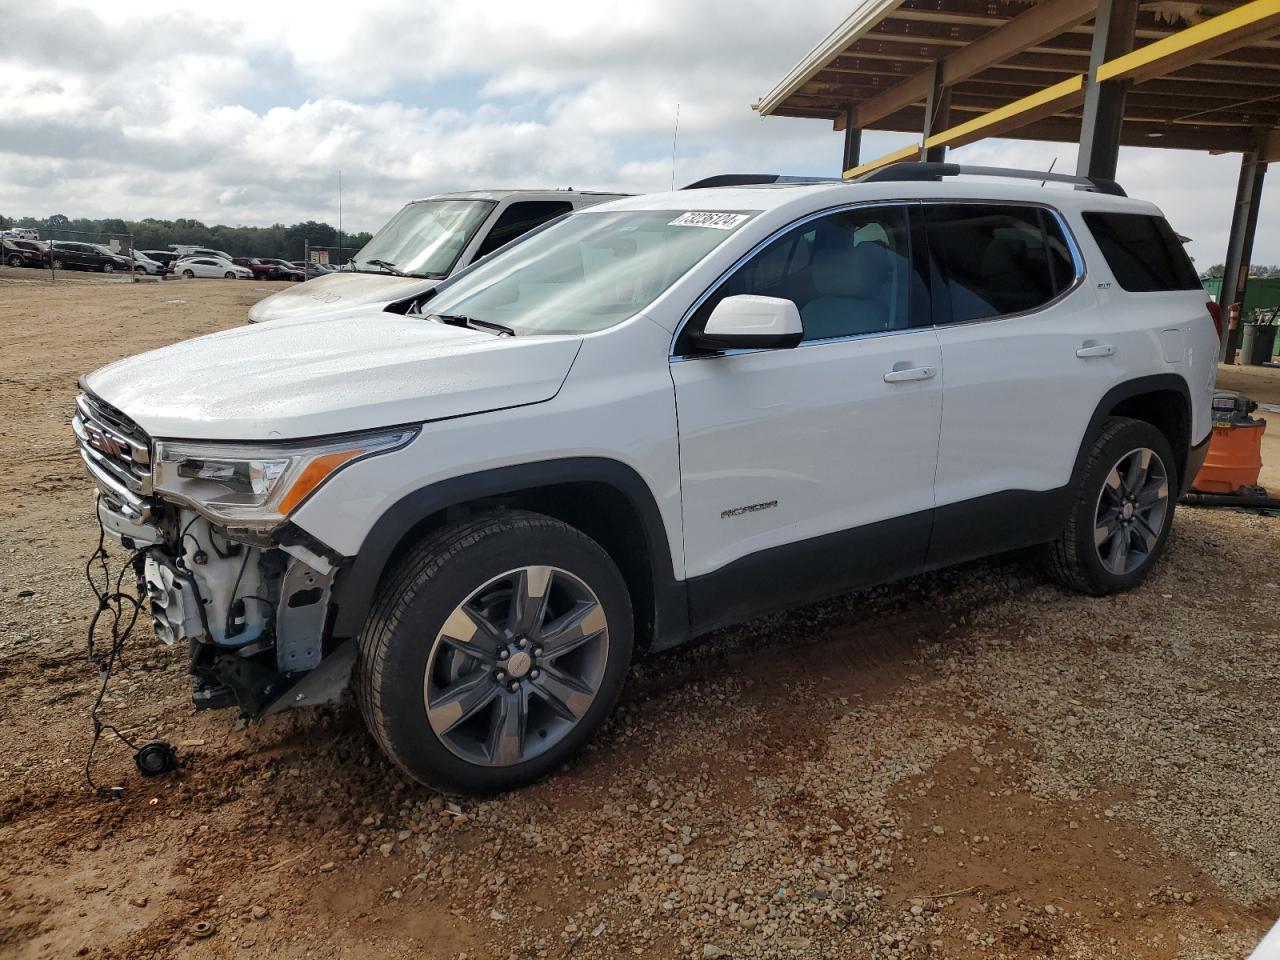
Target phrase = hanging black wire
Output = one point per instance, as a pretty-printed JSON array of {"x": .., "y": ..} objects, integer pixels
[{"x": 122, "y": 610}]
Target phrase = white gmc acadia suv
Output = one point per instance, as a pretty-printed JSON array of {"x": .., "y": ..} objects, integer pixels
[{"x": 656, "y": 417}]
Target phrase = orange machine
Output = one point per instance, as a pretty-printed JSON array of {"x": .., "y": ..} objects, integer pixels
[{"x": 1235, "y": 449}]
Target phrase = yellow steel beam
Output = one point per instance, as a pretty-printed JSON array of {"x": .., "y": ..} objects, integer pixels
[
  {"x": 906, "y": 153},
  {"x": 1236, "y": 28},
  {"x": 1043, "y": 103}
]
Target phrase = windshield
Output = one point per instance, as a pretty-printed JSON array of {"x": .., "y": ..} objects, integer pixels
[
  {"x": 587, "y": 272},
  {"x": 425, "y": 238}
]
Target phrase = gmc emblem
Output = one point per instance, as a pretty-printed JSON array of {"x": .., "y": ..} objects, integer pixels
[{"x": 105, "y": 443}]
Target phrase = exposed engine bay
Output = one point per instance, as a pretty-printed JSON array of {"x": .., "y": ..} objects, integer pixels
[{"x": 253, "y": 613}]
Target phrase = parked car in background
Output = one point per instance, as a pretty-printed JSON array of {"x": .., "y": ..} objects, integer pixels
[
  {"x": 260, "y": 268},
  {"x": 25, "y": 253},
  {"x": 20, "y": 233},
  {"x": 184, "y": 250},
  {"x": 144, "y": 264},
  {"x": 313, "y": 269},
  {"x": 210, "y": 267},
  {"x": 427, "y": 241},
  {"x": 287, "y": 270},
  {"x": 72, "y": 255},
  {"x": 166, "y": 257}
]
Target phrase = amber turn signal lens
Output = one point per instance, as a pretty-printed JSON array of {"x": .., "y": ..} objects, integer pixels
[{"x": 314, "y": 475}]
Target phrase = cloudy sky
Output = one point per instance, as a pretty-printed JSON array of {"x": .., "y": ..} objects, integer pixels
[{"x": 232, "y": 112}]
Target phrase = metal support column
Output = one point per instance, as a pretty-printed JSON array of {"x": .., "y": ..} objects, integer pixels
[
  {"x": 852, "y": 141},
  {"x": 937, "y": 113},
  {"x": 1244, "y": 224},
  {"x": 1113, "y": 34}
]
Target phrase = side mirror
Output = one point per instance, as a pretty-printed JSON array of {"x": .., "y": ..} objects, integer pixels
[{"x": 747, "y": 322}]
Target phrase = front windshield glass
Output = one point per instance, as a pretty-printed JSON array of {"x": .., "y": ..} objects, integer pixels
[
  {"x": 425, "y": 238},
  {"x": 588, "y": 272}
]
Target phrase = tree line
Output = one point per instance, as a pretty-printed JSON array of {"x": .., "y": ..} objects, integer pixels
[
  {"x": 277, "y": 240},
  {"x": 1257, "y": 271}
]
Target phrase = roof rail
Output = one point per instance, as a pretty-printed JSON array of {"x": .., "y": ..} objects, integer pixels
[
  {"x": 750, "y": 179},
  {"x": 899, "y": 172}
]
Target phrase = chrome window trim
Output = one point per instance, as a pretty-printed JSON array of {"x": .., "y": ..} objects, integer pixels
[
  {"x": 673, "y": 357},
  {"x": 1077, "y": 260}
]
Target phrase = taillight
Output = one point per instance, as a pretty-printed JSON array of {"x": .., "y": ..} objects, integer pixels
[{"x": 1215, "y": 311}]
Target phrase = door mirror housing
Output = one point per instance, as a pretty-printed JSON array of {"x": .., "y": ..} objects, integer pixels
[{"x": 748, "y": 322}]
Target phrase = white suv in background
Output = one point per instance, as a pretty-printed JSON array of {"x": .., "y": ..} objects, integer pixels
[
  {"x": 657, "y": 417},
  {"x": 426, "y": 242},
  {"x": 210, "y": 267}
]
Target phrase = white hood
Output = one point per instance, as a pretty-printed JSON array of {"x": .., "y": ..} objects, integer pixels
[
  {"x": 305, "y": 378},
  {"x": 330, "y": 294}
]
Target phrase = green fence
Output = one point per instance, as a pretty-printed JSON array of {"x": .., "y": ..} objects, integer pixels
[{"x": 1259, "y": 294}]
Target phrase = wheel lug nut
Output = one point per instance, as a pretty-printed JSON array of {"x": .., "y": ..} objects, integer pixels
[
  {"x": 524, "y": 642},
  {"x": 537, "y": 651},
  {"x": 502, "y": 654},
  {"x": 533, "y": 674},
  {"x": 502, "y": 677},
  {"x": 515, "y": 685}
]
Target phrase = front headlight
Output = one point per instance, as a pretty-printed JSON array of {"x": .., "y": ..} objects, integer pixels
[{"x": 259, "y": 485}]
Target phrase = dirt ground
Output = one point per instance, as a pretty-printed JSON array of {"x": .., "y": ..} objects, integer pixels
[{"x": 972, "y": 764}]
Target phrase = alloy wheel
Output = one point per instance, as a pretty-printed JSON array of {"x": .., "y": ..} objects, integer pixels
[
  {"x": 1132, "y": 510},
  {"x": 516, "y": 666}
]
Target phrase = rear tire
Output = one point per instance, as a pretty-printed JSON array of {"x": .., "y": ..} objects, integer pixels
[
  {"x": 188, "y": 274},
  {"x": 15, "y": 261},
  {"x": 495, "y": 649},
  {"x": 108, "y": 267},
  {"x": 1122, "y": 514}
]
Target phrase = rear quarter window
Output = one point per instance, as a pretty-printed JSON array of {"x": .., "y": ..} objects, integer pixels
[{"x": 1143, "y": 252}]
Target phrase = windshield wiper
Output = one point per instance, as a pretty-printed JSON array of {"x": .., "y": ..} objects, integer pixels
[
  {"x": 458, "y": 320},
  {"x": 387, "y": 266}
]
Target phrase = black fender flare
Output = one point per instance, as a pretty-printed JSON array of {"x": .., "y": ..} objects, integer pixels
[
  {"x": 1118, "y": 394},
  {"x": 357, "y": 582}
]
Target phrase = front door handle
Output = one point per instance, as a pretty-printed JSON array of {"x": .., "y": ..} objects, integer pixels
[
  {"x": 909, "y": 374},
  {"x": 1093, "y": 349}
]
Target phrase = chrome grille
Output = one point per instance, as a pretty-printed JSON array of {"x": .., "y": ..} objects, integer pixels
[{"x": 117, "y": 454}]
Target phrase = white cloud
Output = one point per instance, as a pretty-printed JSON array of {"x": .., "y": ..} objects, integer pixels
[{"x": 232, "y": 116}]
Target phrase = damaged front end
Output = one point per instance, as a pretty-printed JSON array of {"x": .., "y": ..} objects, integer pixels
[{"x": 220, "y": 567}]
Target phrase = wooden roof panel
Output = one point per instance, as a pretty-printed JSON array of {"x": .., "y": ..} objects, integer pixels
[{"x": 1217, "y": 103}]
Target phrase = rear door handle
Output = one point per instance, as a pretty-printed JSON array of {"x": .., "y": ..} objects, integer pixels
[
  {"x": 910, "y": 374},
  {"x": 1091, "y": 349}
]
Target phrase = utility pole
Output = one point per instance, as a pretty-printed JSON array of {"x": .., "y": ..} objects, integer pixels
[{"x": 339, "y": 216}]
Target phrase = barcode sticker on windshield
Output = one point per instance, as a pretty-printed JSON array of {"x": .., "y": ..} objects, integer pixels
[{"x": 717, "y": 221}]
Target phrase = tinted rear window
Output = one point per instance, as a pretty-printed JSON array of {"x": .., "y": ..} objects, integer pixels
[{"x": 1143, "y": 252}]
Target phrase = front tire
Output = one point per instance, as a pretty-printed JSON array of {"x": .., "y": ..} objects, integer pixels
[
  {"x": 1122, "y": 515},
  {"x": 15, "y": 261},
  {"x": 495, "y": 650},
  {"x": 108, "y": 267}
]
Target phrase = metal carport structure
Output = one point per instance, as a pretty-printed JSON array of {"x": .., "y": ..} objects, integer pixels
[{"x": 1150, "y": 73}]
